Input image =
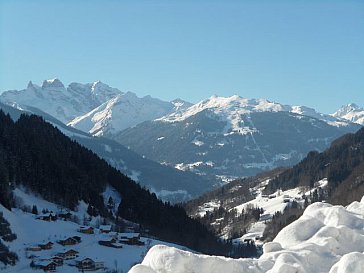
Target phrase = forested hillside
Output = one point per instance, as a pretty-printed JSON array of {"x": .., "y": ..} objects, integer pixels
[
  {"x": 38, "y": 156},
  {"x": 342, "y": 164}
]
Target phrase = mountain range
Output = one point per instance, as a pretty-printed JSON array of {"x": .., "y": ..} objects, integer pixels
[
  {"x": 220, "y": 137},
  {"x": 235, "y": 136}
]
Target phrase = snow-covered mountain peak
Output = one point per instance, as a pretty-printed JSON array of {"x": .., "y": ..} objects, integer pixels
[
  {"x": 351, "y": 112},
  {"x": 346, "y": 109},
  {"x": 53, "y": 84},
  {"x": 63, "y": 103},
  {"x": 180, "y": 104},
  {"x": 102, "y": 91},
  {"x": 233, "y": 106},
  {"x": 121, "y": 112}
]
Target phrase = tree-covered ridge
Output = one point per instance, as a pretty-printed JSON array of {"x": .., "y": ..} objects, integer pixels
[
  {"x": 342, "y": 164},
  {"x": 35, "y": 154}
]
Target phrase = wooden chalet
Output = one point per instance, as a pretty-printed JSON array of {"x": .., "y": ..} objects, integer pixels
[
  {"x": 34, "y": 248},
  {"x": 65, "y": 216},
  {"x": 70, "y": 241},
  {"x": 89, "y": 264},
  {"x": 133, "y": 239},
  {"x": 105, "y": 228},
  {"x": 46, "y": 265},
  {"x": 68, "y": 255},
  {"x": 57, "y": 260},
  {"x": 46, "y": 246},
  {"x": 110, "y": 243},
  {"x": 86, "y": 230},
  {"x": 49, "y": 216}
]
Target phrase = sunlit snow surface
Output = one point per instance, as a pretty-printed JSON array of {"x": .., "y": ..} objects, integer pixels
[{"x": 325, "y": 238}]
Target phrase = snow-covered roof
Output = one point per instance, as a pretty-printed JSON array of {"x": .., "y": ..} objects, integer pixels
[{"x": 105, "y": 227}]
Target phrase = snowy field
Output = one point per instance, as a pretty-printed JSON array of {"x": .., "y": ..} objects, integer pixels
[{"x": 325, "y": 239}]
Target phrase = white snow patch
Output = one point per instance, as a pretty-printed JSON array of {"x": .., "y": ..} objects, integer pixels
[
  {"x": 108, "y": 148},
  {"x": 198, "y": 143}
]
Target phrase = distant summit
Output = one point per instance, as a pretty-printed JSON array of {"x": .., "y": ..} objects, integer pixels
[
  {"x": 52, "y": 84},
  {"x": 351, "y": 112}
]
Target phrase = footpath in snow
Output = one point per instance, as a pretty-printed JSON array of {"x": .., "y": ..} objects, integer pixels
[{"x": 325, "y": 239}]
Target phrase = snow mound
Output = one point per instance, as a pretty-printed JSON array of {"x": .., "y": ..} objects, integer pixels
[{"x": 325, "y": 238}]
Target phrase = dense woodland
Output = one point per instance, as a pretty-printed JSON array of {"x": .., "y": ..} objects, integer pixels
[
  {"x": 6, "y": 256},
  {"x": 342, "y": 164},
  {"x": 35, "y": 154}
]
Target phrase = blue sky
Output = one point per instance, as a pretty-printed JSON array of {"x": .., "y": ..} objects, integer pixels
[{"x": 294, "y": 52}]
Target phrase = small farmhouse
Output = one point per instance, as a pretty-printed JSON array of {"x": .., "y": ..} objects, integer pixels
[
  {"x": 105, "y": 228},
  {"x": 86, "y": 230},
  {"x": 70, "y": 241},
  {"x": 89, "y": 264},
  {"x": 50, "y": 216},
  {"x": 68, "y": 255},
  {"x": 46, "y": 246},
  {"x": 46, "y": 265}
]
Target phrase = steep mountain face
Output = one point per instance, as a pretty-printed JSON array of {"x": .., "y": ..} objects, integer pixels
[
  {"x": 351, "y": 112},
  {"x": 167, "y": 183},
  {"x": 234, "y": 136},
  {"x": 92, "y": 107},
  {"x": 63, "y": 103},
  {"x": 121, "y": 112}
]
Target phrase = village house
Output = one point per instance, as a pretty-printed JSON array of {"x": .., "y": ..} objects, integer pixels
[
  {"x": 70, "y": 241},
  {"x": 89, "y": 264},
  {"x": 105, "y": 228},
  {"x": 57, "y": 260},
  {"x": 46, "y": 246},
  {"x": 86, "y": 230},
  {"x": 49, "y": 216},
  {"x": 131, "y": 239},
  {"x": 34, "y": 248},
  {"x": 66, "y": 216},
  {"x": 45, "y": 265},
  {"x": 68, "y": 255},
  {"x": 110, "y": 243}
]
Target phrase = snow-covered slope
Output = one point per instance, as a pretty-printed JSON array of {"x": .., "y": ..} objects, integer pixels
[
  {"x": 121, "y": 112},
  {"x": 232, "y": 108},
  {"x": 351, "y": 112},
  {"x": 31, "y": 232},
  {"x": 326, "y": 239}
]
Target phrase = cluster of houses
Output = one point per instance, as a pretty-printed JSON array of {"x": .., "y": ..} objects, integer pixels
[
  {"x": 71, "y": 257},
  {"x": 84, "y": 264},
  {"x": 51, "y": 216},
  {"x": 108, "y": 238}
]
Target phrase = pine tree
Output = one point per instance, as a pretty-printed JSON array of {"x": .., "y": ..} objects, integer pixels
[{"x": 35, "y": 210}]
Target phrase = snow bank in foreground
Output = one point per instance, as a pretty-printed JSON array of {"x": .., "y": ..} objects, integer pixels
[{"x": 325, "y": 239}]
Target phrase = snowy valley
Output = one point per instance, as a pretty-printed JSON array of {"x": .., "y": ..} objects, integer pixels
[{"x": 210, "y": 155}]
